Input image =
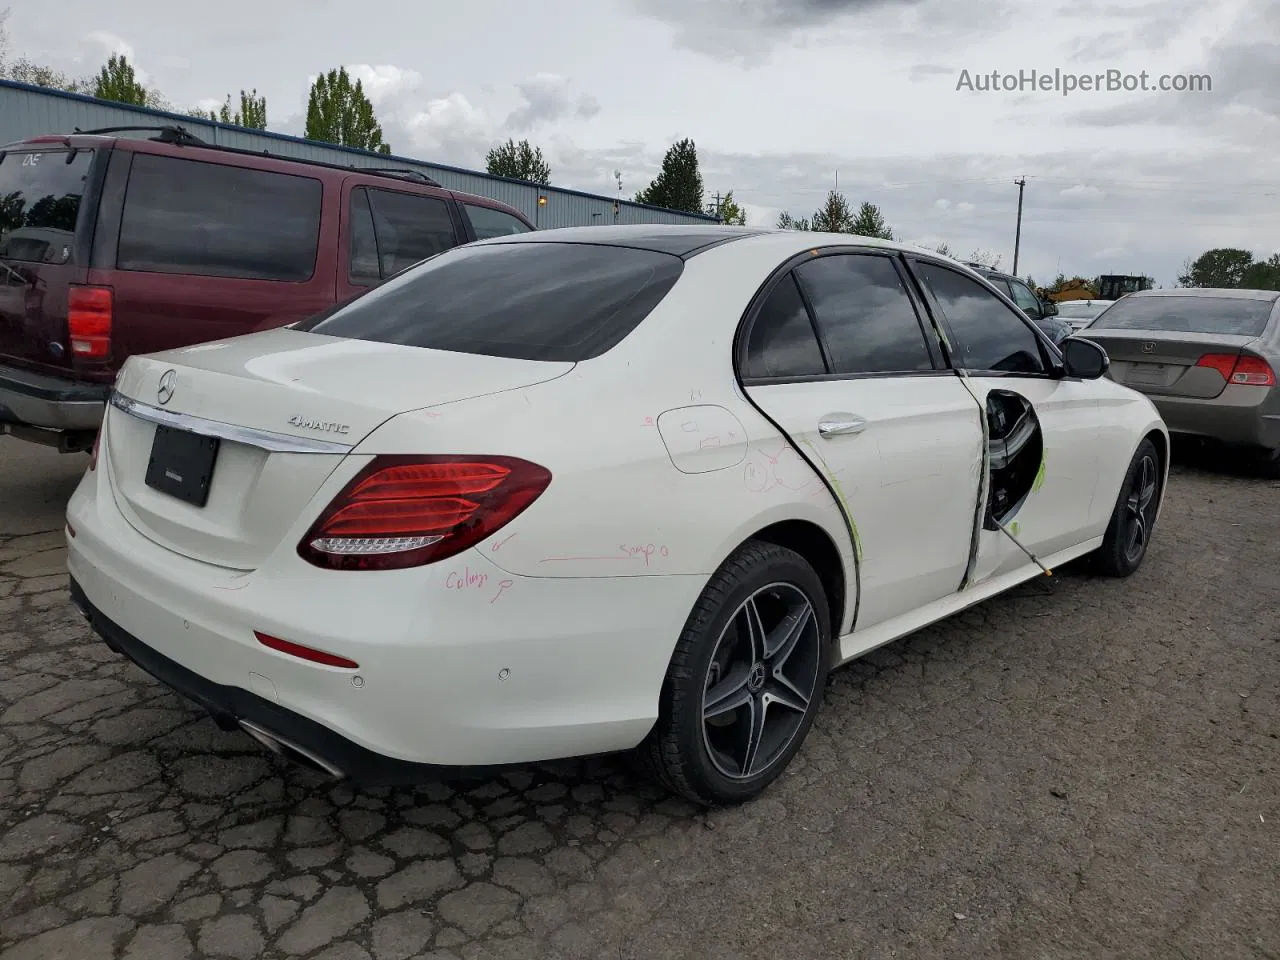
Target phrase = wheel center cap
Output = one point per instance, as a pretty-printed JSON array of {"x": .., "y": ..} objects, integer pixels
[{"x": 755, "y": 679}]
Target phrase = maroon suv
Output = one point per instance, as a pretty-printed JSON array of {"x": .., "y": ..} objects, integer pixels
[{"x": 111, "y": 247}]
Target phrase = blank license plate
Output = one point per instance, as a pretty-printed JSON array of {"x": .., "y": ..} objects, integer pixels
[{"x": 182, "y": 464}]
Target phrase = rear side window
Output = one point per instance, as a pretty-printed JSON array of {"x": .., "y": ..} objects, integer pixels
[
  {"x": 527, "y": 301},
  {"x": 408, "y": 228},
  {"x": 1000, "y": 284},
  {"x": 213, "y": 220},
  {"x": 782, "y": 341},
  {"x": 1233, "y": 316},
  {"x": 40, "y": 196},
  {"x": 488, "y": 222},
  {"x": 865, "y": 315}
]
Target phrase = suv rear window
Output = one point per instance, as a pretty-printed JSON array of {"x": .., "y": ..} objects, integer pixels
[
  {"x": 40, "y": 196},
  {"x": 217, "y": 220},
  {"x": 527, "y": 301},
  {"x": 1229, "y": 315}
]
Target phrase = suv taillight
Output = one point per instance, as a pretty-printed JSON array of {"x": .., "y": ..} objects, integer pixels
[
  {"x": 404, "y": 511},
  {"x": 1244, "y": 369},
  {"x": 89, "y": 311}
]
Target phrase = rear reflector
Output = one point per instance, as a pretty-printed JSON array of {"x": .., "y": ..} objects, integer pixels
[
  {"x": 305, "y": 653},
  {"x": 1244, "y": 369},
  {"x": 408, "y": 511},
  {"x": 89, "y": 312}
]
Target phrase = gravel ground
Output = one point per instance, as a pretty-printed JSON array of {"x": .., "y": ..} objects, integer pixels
[{"x": 1082, "y": 768}]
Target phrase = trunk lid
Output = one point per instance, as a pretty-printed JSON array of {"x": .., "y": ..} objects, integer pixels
[
  {"x": 1164, "y": 363},
  {"x": 268, "y": 396},
  {"x": 44, "y": 237}
]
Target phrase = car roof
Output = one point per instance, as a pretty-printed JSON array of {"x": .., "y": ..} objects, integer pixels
[
  {"x": 686, "y": 240},
  {"x": 180, "y": 141},
  {"x": 1228, "y": 292}
]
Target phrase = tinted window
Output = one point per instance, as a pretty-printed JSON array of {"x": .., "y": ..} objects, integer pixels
[
  {"x": 409, "y": 228},
  {"x": 1023, "y": 297},
  {"x": 782, "y": 342},
  {"x": 988, "y": 335},
  {"x": 363, "y": 261},
  {"x": 999, "y": 284},
  {"x": 865, "y": 315},
  {"x": 493, "y": 223},
  {"x": 39, "y": 201},
  {"x": 185, "y": 216},
  {"x": 1229, "y": 315},
  {"x": 531, "y": 301}
]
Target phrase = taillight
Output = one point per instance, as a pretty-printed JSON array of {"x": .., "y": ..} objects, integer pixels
[
  {"x": 403, "y": 511},
  {"x": 93, "y": 454},
  {"x": 1244, "y": 369},
  {"x": 89, "y": 311}
]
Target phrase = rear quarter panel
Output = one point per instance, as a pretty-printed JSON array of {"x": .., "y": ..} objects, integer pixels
[{"x": 618, "y": 505}]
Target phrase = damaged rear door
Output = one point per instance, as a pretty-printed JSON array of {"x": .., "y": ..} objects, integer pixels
[
  {"x": 1043, "y": 430},
  {"x": 839, "y": 357}
]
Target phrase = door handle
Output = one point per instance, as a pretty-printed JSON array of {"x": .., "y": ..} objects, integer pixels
[{"x": 840, "y": 424}]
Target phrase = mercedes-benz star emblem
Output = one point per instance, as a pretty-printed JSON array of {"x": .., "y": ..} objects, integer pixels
[
  {"x": 164, "y": 393},
  {"x": 1148, "y": 347}
]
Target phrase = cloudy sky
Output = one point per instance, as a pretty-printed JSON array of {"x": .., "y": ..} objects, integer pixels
[{"x": 782, "y": 97}]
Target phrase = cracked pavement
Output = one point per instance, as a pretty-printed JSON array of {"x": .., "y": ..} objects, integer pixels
[{"x": 1082, "y": 768}]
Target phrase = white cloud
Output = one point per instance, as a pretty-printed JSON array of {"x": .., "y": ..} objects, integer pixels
[{"x": 1082, "y": 190}]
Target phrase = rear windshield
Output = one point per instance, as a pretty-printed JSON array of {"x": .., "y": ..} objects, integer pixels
[
  {"x": 39, "y": 200},
  {"x": 1226, "y": 315},
  {"x": 527, "y": 301}
]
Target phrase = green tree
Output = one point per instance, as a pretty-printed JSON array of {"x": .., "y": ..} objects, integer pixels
[
  {"x": 1220, "y": 267},
  {"x": 1262, "y": 275},
  {"x": 788, "y": 222},
  {"x": 730, "y": 213},
  {"x": 251, "y": 114},
  {"x": 339, "y": 112},
  {"x": 678, "y": 185},
  {"x": 519, "y": 161},
  {"x": 870, "y": 223},
  {"x": 117, "y": 81},
  {"x": 834, "y": 216}
]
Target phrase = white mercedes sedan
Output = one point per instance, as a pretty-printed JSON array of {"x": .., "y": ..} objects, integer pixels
[{"x": 596, "y": 489}]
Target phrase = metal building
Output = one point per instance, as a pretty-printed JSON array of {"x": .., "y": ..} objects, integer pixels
[{"x": 27, "y": 111}]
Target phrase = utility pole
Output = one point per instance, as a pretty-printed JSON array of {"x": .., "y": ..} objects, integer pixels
[
  {"x": 1017, "y": 237},
  {"x": 713, "y": 207}
]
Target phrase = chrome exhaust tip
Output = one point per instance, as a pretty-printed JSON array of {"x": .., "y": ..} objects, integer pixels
[{"x": 290, "y": 750}]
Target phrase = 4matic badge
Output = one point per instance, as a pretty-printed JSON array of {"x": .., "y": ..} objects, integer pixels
[{"x": 321, "y": 426}]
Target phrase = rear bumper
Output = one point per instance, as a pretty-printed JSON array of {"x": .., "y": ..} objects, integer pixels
[
  {"x": 1240, "y": 416},
  {"x": 233, "y": 707},
  {"x": 50, "y": 403},
  {"x": 464, "y": 668}
]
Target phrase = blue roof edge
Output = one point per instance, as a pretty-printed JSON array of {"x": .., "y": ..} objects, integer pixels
[{"x": 354, "y": 151}]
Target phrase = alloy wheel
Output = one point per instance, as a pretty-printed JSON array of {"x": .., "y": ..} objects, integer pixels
[
  {"x": 1140, "y": 509},
  {"x": 761, "y": 680}
]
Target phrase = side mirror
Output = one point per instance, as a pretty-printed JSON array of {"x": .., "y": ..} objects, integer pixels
[
  {"x": 1049, "y": 308},
  {"x": 1084, "y": 359}
]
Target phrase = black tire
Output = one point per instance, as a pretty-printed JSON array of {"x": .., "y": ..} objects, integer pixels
[
  {"x": 683, "y": 751},
  {"x": 1121, "y": 553},
  {"x": 1267, "y": 463}
]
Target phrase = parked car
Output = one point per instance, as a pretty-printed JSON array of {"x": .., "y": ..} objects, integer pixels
[
  {"x": 1206, "y": 357},
  {"x": 1078, "y": 313},
  {"x": 113, "y": 246},
  {"x": 1043, "y": 312},
  {"x": 513, "y": 505}
]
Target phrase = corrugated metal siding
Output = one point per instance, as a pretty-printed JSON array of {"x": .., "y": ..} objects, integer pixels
[{"x": 32, "y": 111}]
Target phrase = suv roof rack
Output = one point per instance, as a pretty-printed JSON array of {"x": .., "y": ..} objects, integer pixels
[
  {"x": 979, "y": 266},
  {"x": 171, "y": 133},
  {"x": 398, "y": 172},
  {"x": 181, "y": 136}
]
